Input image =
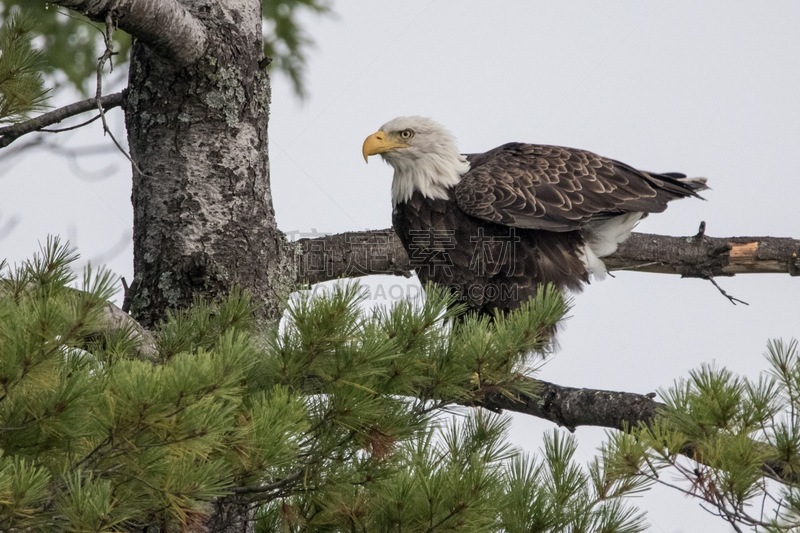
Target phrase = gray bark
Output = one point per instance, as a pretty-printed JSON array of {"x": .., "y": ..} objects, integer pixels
[
  {"x": 167, "y": 26},
  {"x": 571, "y": 407},
  {"x": 203, "y": 215},
  {"x": 196, "y": 113}
]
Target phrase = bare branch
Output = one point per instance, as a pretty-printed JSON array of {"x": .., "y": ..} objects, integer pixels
[
  {"x": 722, "y": 291},
  {"x": 706, "y": 257},
  {"x": 380, "y": 252},
  {"x": 571, "y": 407},
  {"x": 351, "y": 254},
  {"x": 108, "y": 53},
  {"x": 185, "y": 41},
  {"x": 9, "y": 134}
]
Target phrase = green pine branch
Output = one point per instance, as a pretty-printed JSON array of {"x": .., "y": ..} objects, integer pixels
[
  {"x": 742, "y": 434},
  {"x": 334, "y": 420},
  {"x": 22, "y": 88},
  {"x": 337, "y": 419}
]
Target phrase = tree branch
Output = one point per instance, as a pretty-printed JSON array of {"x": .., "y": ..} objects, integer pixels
[
  {"x": 11, "y": 133},
  {"x": 703, "y": 257},
  {"x": 571, "y": 407},
  {"x": 184, "y": 41},
  {"x": 380, "y": 252}
]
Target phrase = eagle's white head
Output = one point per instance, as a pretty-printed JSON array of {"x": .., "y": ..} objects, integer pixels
[{"x": 424, "y": 156}]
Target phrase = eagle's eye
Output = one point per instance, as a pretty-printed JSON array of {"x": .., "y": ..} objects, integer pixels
[{"x": 406, "y": 134}]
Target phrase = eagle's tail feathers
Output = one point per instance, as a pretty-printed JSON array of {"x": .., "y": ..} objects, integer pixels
[{"x": 696, "y": 184}]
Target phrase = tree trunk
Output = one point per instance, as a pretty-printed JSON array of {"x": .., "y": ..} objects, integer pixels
[{"x": 203, "y": 219}]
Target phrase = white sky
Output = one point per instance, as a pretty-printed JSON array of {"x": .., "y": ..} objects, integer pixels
[{"x": 709, "y": 89}]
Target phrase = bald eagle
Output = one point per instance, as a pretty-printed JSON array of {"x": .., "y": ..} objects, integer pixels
[{"x": 494, "y": 226}]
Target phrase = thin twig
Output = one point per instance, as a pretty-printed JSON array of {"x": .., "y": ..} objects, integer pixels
[
  {"x": 732, "y": 299},
  {"x": 70, "y": 128},
  {"x": 108, "y": 53}
]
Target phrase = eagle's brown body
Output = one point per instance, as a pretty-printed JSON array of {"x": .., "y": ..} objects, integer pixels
[
  {"x": 489, "y": 266},
  {"x": 494, "y": 226}
]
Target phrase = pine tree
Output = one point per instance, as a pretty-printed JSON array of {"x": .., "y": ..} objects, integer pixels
[
  {"x": 336, "y": 420},
  {"x": 744, "y": 437}
]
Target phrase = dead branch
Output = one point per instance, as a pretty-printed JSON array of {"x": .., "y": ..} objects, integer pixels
[
  {"x": 11, "y": 133},
  {"x": 380, "y": 252},
  {"x": 570, "y": 407}
]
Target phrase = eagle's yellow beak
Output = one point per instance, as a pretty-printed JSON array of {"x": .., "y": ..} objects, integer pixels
[{"x": 379, "y": 143}]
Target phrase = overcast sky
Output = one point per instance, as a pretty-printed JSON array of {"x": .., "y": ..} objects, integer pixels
[{"x": 705, "y": 88}]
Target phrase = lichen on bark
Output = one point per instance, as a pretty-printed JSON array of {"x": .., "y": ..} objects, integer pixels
[{"x": 203, "y": 216}]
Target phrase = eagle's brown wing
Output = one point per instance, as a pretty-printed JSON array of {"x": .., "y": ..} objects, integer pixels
[{"x": 561, "y": 189}]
